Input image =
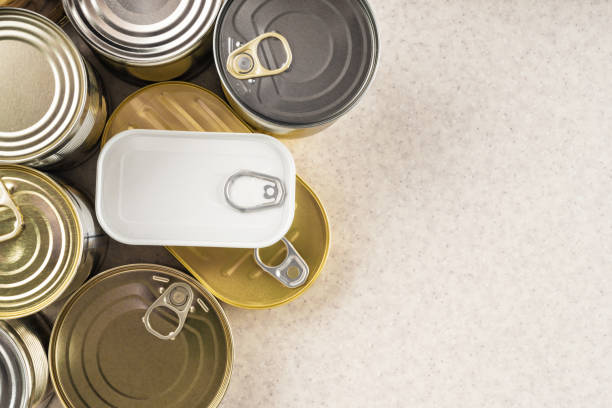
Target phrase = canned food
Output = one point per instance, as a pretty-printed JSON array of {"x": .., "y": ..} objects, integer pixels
[
  {"x": 149, "y": 40},
  {"x": 52, "y": 111},
  {"x": 52, "y": 9},
  {"x": 292, "y": 68},
  {"x": 141, "y": 336},
  {"x": 233, "y": 275},
  {"x": 201, "y": 188},
  {"x": 49, "y": 241},
  {"x": 24, "y": 370}
]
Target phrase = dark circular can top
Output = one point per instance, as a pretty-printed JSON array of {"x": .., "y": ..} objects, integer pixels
[
  {"x": 141, "y": 336},
  {"x": 334, "y": 52}
]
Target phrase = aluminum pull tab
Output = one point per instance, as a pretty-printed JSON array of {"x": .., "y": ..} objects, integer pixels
[
  {"x": 7, "y": 201},
  {"x": 292, "y": 272},
  {"x": 273, "y": 194},
  {"x": 244, "y": 63},
  {"x": 178, "y": 298}
]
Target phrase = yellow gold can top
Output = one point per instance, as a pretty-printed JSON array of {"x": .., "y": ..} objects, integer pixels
[
  {"x": 230, "y": 274},
  {"x": 141, "y": 336},
  {"x": 38, "y": 259}
]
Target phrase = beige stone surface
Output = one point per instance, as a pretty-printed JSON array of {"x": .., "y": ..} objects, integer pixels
[{"x": 470, "y": 197}]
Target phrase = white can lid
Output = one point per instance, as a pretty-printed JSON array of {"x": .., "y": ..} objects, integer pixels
[{"x": 195, "y": 189}]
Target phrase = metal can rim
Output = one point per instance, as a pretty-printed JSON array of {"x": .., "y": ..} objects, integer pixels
[
  {"x": 270, "y": 123},
  {"x": 127, "y": 269},
  {"x": 74, "y": 266},
  {"x": 127, "y": 99},
  {"x": 299, "y": 291},
  {"x": 142, "y": 62},
  {"x": 82, "y": 69}
]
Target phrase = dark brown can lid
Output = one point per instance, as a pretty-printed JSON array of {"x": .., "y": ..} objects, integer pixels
[
  {"x": 141, "y": 336},
  {"x": 332, "y": 47}
]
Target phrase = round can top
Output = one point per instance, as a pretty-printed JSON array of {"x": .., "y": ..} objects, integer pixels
[
  {"x": 43, "y": 83},
  {"x": 143, "y": 32},
  {"x": 141, "y": 336},
  {"x": 330, "y": 49},
  {"x": 15, "y": 378},
  {"x": 39, "y": 258}
]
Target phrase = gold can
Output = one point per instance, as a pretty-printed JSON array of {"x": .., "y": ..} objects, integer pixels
[
  {"x": 141, "y": 336},
  {"x": 50, "y": 241},
  {"x": 232, "y": 275}
]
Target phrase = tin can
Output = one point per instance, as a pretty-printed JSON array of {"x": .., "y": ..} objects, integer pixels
[
  {"x": 292, "y": 68},
  {"x": 149, "y": 40},
  {"x": 232, "y": 275},
  {"x": 52, "y": 9},
  {"x": 49, "y": 241},
  {"x": 24, "y": 379},
  {"x": 52, "y": 110},
  {"x": 141, "y": 336}
]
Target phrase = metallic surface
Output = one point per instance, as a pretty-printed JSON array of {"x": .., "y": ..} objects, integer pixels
[
  {"x": 102, "y": 355},
  {"x": 244, "y": 62},
  {"x": 230, "y": 274},
  {"x": 24, "y": 370},
  {"x": 52, "y": 110},
  {"x": 60, "y": 244},
  {"x": 52, "y": 9},
  {"x": 273, "y": 195},
  {"x": 335, "y": 55},
  {"x": 291, "y": 272},
  {"x": 150, "y": 40}
]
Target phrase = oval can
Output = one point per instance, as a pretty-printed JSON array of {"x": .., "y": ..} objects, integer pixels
[
  {"x": 52, "y": 9},
  {"x": 49, "y": 241},
  {"x": 24, "y": 369},
  {"x": 151, "y": 40},
  {"x": 141, "y": 336},
  {"x": 292, "y": 68},
  {"x": 231, "y": 274},
  {"x": 52, "y": 110}
]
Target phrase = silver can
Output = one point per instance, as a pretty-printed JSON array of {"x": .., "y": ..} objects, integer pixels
[
  {"x": 52, "y": 110},
  {"x": 24, "y": 368},
  {"x": 50, "y": 241},
  {"x": 292, "y": 68},
  {"x": 151, "y": 40}
]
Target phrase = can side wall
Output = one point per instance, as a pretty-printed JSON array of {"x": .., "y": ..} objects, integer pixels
[
  {"x": 82, "y": 140},
  {"x": 95, "y": 241},
  {"x": 186, "y": 66}
]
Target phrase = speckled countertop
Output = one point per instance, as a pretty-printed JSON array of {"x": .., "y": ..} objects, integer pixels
[{"x": 470, "y": 197}]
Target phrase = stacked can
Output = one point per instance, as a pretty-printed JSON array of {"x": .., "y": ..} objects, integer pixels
[{"x": 145, "y": 335}]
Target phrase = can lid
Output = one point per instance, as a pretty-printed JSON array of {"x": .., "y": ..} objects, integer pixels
[
  {"x": 43, "y": 84},
  {"x": 52, "y": 9},
  {"x": 15, "y": 378},
  {"x": 296, "y": 63},
  {"x": 39, "y": 260},
  {"x": 103, "y": 354},
  {"x": 201, "y": 189},
  {"x": 143, "y": 31}
]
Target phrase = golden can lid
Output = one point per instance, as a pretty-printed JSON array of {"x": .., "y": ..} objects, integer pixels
[
  {"x": 44, "y": 85},
  {"x": 141, "y": 336},
  {"x": 40, "y": 241},
  {"x": 52, "y": 9},
  {"x": 173, "y": 106},
  {"x": 232, "y": 275}
]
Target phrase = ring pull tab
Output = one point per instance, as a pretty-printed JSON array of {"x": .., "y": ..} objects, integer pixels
[
  {"x": 292, "y": 272},
  {"x": 7, "y": 201},
  {"x": 244, "y": 63},
  {"x": 178, "y": 298},
  {"x": 273, "y": 194}
]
